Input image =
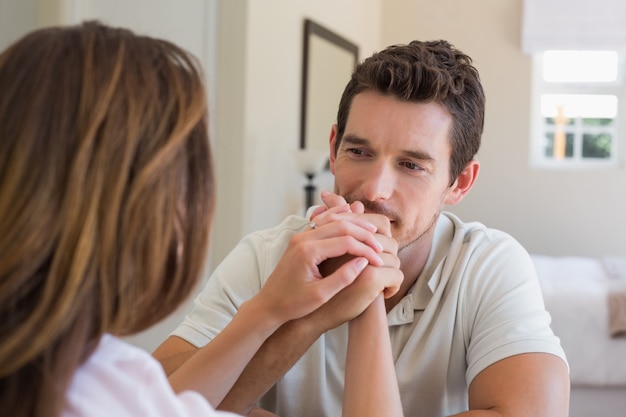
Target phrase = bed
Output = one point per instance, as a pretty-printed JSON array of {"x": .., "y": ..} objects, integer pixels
[{"x": 586, "y": 298}]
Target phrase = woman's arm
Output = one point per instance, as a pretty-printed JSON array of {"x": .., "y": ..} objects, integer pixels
[
  {"x": 371, "y": 387},
  {"x": 214, "y": 368},
  {"x": 293, "y": 290}
]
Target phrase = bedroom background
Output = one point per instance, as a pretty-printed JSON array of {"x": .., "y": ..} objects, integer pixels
[
  {"x": 252, "y": 53},
  {"x": 249, "y": 47}
]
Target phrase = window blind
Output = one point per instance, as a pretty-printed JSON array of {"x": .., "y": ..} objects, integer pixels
[{"x": 573, "y": 25}]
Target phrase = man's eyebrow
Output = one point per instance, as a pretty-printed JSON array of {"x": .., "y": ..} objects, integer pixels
[
  {"x": 355, "y": 140},
  {"x": 419, "y": 155}
]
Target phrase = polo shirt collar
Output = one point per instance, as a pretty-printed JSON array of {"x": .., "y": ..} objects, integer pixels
[{"x": 422, "y": 291}]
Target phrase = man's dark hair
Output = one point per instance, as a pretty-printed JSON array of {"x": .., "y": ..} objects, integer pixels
[{"x": 433, "y": 71}]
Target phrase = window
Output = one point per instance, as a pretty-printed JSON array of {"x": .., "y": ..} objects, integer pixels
[{"x": 575, "y": 108}]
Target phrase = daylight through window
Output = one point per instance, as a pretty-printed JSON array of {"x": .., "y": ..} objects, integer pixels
[{"x": 576, "y": 99}]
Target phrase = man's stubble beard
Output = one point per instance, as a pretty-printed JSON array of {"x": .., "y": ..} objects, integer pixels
[{"x": 431, "y": 225}]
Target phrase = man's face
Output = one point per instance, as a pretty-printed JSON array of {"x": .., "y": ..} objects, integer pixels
[{"x": 395, "y": 158}]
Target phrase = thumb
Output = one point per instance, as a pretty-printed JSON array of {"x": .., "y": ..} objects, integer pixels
[
  {"x": 333, "y": 200},
  {"x": 318, "y": 210},
  {"x": 357, "y": 207}
]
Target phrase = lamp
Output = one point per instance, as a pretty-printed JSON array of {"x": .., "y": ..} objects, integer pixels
[{"x": 310, "y": 163}]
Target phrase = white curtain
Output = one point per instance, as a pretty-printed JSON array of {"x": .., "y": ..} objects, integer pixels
[{"x": 574, "y": 24}]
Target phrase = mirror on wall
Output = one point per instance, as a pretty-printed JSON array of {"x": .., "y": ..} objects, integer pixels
[{"x": 328, "y": 61}]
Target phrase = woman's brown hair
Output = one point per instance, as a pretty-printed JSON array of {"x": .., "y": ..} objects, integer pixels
[{"x": 106, "y": 198}]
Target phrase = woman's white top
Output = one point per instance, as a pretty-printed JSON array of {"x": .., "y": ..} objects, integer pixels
[{"x": 122, "y": 380}]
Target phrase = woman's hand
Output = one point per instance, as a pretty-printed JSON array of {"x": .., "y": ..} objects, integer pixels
[
  {"x": 375, "y": 279},
  {"x": 335, "y": 205},
  {"x": 297, "y": 287}
]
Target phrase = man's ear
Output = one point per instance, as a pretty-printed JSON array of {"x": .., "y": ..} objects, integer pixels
[
  {"x": 332, "y": 140},
  {"x": 464, "y": 182}
]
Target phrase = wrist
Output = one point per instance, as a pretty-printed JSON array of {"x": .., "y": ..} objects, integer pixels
[
  {"x": 374, "y": 314},
  {"x": 309, "y": 327},
  {"x": 261, "y": 317}
]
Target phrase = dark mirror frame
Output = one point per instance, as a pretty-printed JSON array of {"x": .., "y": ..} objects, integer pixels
[{"x": 314, "y": 29}]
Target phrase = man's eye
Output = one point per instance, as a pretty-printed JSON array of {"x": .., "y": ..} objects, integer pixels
[
  {"x": 412, "y": 166},
  {"x": 356, "y": 151}
]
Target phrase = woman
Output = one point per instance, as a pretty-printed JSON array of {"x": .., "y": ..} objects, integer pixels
[{"x": 106, "y": 200}]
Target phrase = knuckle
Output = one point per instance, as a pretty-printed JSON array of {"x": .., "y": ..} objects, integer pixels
[
  {"x": 301, "y": 247},
  {"x": 318, "y": 297},
  {"x": 343, "y": 225},
  {"x": 297, "y": 238}
]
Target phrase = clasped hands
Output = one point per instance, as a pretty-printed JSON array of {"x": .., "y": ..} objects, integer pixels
[{"x": 334, "y": 271}]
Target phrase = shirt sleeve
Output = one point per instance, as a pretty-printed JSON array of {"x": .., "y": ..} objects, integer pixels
[
  {"x": 237, "y": 279},
  {"x": 503, "y": 306}
]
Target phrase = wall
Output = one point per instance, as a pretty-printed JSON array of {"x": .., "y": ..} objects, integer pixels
[
  {"x": 17, "y": 17},
  {"x": 550, "y": 212},
  {"x": 259, "y": 106}
]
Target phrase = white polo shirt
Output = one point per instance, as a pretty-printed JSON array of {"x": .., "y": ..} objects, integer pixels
[{"x": 476, "y": 302}]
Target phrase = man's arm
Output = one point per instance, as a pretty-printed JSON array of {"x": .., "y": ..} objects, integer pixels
[
  {"x": 371, "y": 387},
  {"x": 283, "y": 349},
  {"x": 529, "y": 384},
  {"x": 294, "y": 290},
  {"x": 173, "y": 352},
  {"x": 275, "y": 357},
  {"x": 335, "y": 235}
]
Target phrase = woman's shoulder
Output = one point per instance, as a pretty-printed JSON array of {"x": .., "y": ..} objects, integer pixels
[{"x": 123, "y": 380}]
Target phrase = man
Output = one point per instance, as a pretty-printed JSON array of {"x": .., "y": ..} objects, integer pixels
[{"x": 469, "y": 332}]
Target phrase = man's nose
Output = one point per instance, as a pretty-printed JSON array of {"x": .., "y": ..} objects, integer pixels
[{"x": 379, "y": 182}]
